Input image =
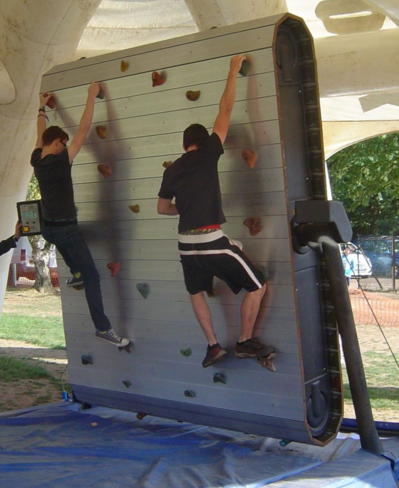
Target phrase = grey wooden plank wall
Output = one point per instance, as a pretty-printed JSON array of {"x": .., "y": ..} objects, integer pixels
[{"x": 144, "y": 129}]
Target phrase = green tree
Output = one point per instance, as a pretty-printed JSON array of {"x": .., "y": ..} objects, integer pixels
[
  {"x": 365, "y": 178},
  {"x": 41, "y": 249}
]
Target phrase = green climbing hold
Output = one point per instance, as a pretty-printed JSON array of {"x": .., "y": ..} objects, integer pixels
[
  {"x": 219, "y": 378},
  {"x": 127, "y": 383},
  {"x": 244, "y": 68},
  {"x": 264, "y": 271},
  {"x": 86, "y": 359},
  {"x": 189, "y": 393},
  {"x": 144, "y": 289},
  {"x": 186, "y": 352}
]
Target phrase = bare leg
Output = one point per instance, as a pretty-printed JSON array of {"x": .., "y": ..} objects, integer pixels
[
  {"x": 204, "y": 317},
  {"x": 249, "y": 311}
]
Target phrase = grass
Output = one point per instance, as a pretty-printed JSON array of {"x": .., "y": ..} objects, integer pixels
[
  {"x": 382, "y": 377},
  {"x": 12, "y": 369},
  {"x": 42, "y": 331}
]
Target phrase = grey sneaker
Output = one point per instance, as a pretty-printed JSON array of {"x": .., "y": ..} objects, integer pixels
[
  {"x": 113, "y": 338},
  {"x": 76, "y": 280}
]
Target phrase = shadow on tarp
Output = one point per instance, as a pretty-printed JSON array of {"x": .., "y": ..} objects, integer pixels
[{"x": 59, "y": 445}]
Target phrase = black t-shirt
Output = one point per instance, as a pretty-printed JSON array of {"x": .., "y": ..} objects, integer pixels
[
  {"x": 53, "y": 173},
  {"x": 194, "y": 182}
]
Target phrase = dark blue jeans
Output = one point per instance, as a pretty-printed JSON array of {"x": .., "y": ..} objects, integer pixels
[{"x": 73, "y": 248}]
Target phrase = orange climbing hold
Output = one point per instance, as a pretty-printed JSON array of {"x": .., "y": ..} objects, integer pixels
[
  {"x": 166, "y": 164},
  {"x": 254, "y": 225},
  {"x": 141, "y": 415},
  {"x": 135, "y": 208},
  {"x": 51, "y": 101},
  {"x": 193, "y": 95},
  {"x": 114, "y": 267},
  {"x": 124, "y": 66},
  {"x": 157, "y": 79},
  {"x": 250, "y": 157},
  {"x": 105, "y": 170},
  {"x": 101, "y": 131}
]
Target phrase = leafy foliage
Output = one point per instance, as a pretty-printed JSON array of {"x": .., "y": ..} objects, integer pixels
[{"x": 365, "y": 178}]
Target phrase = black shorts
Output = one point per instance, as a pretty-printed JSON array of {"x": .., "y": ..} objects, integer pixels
[{"x": 222, "y": 258}]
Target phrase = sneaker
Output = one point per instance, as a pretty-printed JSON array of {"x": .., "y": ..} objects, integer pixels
[
  {"x": 76, "y": 280},
  {"x": 251, "y": 348},
  {"x": 213, "y": 354},
  {"x": 113, "y": 338}
]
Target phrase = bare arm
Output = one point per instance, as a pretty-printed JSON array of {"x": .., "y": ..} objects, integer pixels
[
  {"x": 226, "y": 104},
  {"x": 41, "y": 120},
  {"x": 85, "y": 122},
  {"x": 166, "y": 207}
]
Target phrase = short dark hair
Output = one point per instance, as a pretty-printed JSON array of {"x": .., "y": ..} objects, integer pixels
[
  {"x": 53, "y": 133},
  {"x": 194, "y": 135}
]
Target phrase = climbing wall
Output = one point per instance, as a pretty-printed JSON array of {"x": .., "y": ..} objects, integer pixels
[{"x": 273, "y": 157}]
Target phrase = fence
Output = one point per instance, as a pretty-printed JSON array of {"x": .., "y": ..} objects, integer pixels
[{"x": 382, "y": 253}]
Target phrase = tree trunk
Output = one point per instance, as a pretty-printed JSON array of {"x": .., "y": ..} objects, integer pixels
[{"x": 41, "y": 258}]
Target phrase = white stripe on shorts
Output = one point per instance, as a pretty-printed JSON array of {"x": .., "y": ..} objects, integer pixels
[{"x": 230, "y": 253}]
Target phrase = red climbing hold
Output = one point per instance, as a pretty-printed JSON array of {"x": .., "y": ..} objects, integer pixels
[
  {"x": 114, "y": 267},
  {"x": 157, "y": 79},
  {"x": 254, "y": 225},
  {"x": 193, "y": 96}
]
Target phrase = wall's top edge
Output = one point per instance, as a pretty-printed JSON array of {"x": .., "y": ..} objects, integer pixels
[{"x": 177, "y": 41}]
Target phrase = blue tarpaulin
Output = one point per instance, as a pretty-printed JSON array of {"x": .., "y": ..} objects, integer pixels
[{"x": 59, "y": 445}]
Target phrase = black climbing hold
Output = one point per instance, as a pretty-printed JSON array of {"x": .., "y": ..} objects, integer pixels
[
  {"x": 86, "y": 359},
  {"x": 186, "y": 352},
  {"x": 100, "y": 94},
  {"x": 219, "y": 378},
  {"x": 127, "y": 383},
  {"x": 189, "y": 393}
]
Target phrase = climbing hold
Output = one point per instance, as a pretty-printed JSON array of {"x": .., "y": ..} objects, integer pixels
[
  {"x": 135, "y": 208},
  {"x": 211, "y": 295},
  {"x": 186, "y": 352},
  {"x": 86, "y": 359},
  {"x": 94, "y": 424},
  {"x": 144, "y": 289},
  {"x": 114, "y": 267},
  {"x": 264, "y": 271},
  {"x": 284, "y": 442},
  {"x": 189, "y": 393},
  {"x": 254, "y": 225},
  {"x": 50, "y": 102},
  {"x": 141, "y": 415},
  {"x": 101, "y": 131},
  {"x": 193, "y": 96},
  {"x": 265, "y": 358},
  {"x": 105, "y": 170},
  {"x": 219, "y": 378},
  {"x": 244, "y": 68},
  {"x": 124, "y": 66},
  {"x": 100, "y": 94},
  {"x": 250, "y": 157},
  {"x": 166, "y": 164},
  {"x": 157, "y": 79},
  {"x": 127, "y": 383}
]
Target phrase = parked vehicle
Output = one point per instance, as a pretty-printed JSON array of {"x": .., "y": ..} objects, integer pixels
[
  {"x": 379, "y": 252},
  {"x": 362, "y": 265}
]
